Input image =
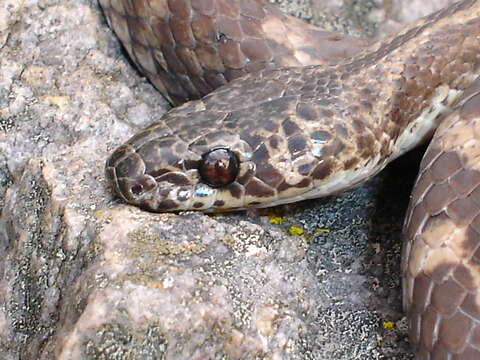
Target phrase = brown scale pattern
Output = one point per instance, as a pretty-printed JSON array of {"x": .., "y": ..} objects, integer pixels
[
  {"x": 187, "y": 48},
  {"x": 441, "y": 262},
  {"x": 299, "y": 129}
]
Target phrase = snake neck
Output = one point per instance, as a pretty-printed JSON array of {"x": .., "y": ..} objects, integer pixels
[
  {"x": 407, "y": 83},
  {"x": 388, "y": 99}
]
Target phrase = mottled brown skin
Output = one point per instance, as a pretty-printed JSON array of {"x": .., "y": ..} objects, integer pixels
[
  {"x": 441, "y": 257},
  {"x": 187, "y": 48},
  {"x": 307, "y": 132}
]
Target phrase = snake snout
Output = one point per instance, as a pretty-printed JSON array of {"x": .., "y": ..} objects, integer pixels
[
  {"x": 161, "y": 185},
  {"x": 125, "y": 170}
]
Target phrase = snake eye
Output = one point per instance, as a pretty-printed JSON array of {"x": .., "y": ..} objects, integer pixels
[{"x": 219, "y": 167}]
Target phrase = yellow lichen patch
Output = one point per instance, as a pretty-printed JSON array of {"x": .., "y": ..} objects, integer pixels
[
  {"x": 100, "y": 212},
  {"x": 388, "y": 325},
  {"x": 295, "y": 230},
  {"x": 276, "y": 220},
  {"x": 228, "y": 240}
]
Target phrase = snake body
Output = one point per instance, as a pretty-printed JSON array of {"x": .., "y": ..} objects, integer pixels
[
  {"x": 288, "y": 134},
  {"x": 189, "y": 48}
]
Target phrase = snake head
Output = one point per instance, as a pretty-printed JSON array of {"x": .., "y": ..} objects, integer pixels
[
  {"x": 237, "y": 149},
  {"x": 164, "y": 173},
  {"x": 233, "y": 163},
  {"x": 217, "y": 171}
]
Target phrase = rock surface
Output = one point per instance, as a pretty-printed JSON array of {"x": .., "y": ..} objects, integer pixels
[{"x": 86, "y": 277}]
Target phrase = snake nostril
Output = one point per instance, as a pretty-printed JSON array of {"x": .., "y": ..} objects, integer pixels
[
  {"x": 219, "y": 167},
  {"x": 136, "y": 189}
]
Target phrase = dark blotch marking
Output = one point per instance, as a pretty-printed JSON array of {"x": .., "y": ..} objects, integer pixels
[
  {"x": 469, "y": 110},
  {"x": 323, "y": 170},
  {"x": 131, "y": 166},
  {"x": 334, "y": 148},
  {"x": 118, "y": 154},
  {"x": 254, "y": 140},
  {"x": 158, "y": 172},
  {"x": 341, "y": 130},
  {"x": 350, "y": 163},
  {"x": 183, "y": 197},
  {"x": 289, "y": 127},
  {"x": 167, "y": 157},
  {"x": 321, "y": 136},
  {"x": 270, "y": 125},
  {"x": 174, "y": 178},
  {"x": 437, "y": 198},
  {"x": 442, "y": 270},
  {"x": 274, "y": 141},
  {"x": 358, "y": 125},
  {"x": 235, "y": 190},
  {"x": 447, "y": 164},
  {"x": 231, "y": 121},
  {"x": 197, "y": 205},
  {"x": 260, "y": 155},
  {"x": 219, "y": 203},
  {"x": 245, "y": 177},
  {"x": 465, "y": 181},
  {"x": 163, "y": 192},
  {"x": 471, "y": 242},
  {"x": 304, "y": 183},
  {"x": 166, "y": 205},
  {"x": 365, "y": 146},
  {"x": 297, "y": 145},
  {"x": 462, "y": 211},
  {"x": 307, "y": 112},
  {"x": 258, "y": 189},
  {"x": 166, "y": 143},
  {"x": 283, "y": 186},
  {"x": 191, "y": 164},
  {"x": 464, "y": 276},
  {"x": 269, "y": 175}
]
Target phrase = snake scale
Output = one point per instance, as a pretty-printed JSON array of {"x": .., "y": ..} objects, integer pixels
[{"x": 293, "y": 127}]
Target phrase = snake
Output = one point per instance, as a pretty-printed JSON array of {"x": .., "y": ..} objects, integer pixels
[{"x": 273, "y": 111}]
